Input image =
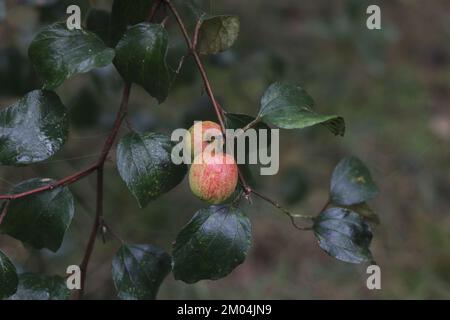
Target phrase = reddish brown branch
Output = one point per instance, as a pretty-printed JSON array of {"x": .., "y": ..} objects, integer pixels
[
  {"x": 325, "y": 206},
  {"x": 99, "y": 201},
  {"x": 99, "y": 220},
  {"x": 66, "y": 181},
  {"x": 82, "y": 174},
  {"x": 98, "y": 167},
  {"x": 90, "y": 246},
  {"x": 4, "y": 211},
  {"x": 156, "y": 5},
  {"x": 196, "y": 33},
  {"x": 285, "y": 211},
  {"x": 209, "y": 91},
  {"x": 192, "y": 48},
  {"x": 117, "y": 123}
]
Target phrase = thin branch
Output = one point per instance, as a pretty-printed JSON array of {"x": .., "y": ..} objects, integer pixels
[
  {"x": 199, "y": 63},
  {"x": 154, "y": 10},
  {"x": 99, "y": 209},
  {"x": 97, "y": 167},
  {"x": 285, "y": 211},
  {"x": 247, "y": 189},
  {"x": 4, "y": 211},
  {"x": 325, "y": 206},
  {"x": 196, "y": 32},
  {"x": 66, "y": 181},
  {"x": 90, "y": 246},
  {"x": 84, "y": 173},
  {"x": 99, "y": 200},
  {"x": 117, "y": 123},
  {"x": 278, "y": 206},
  {"x": 218, "y": 109}
]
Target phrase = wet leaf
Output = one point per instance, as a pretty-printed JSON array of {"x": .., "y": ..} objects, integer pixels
[
  {"x": 8, "y": 277},
  {"x": 352, "y": 183},
  {"x": 218, "y": 34},
  {"x": 58, "y": 53},
  {"x": 33, "y": 129},
  {"x": 139, "y": 270},
  {"x": 141, "y": 58},
  {"x": 41, "y": 287},
  {"x": 344, "y": 235},
  {"x": 42, "y": 219},
  {"x": 144, "y": 163},
  {"x": 212, "y": 244},
  {"x": 290, "y": 107}
]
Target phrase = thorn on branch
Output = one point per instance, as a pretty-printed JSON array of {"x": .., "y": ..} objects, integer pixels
[
  {"x": 163, "y": 23},
  {"x": 180, "y": 64},
  {"x": 106, "y": 228}
]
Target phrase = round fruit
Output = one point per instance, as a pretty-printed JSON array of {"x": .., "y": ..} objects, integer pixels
[
  {"x": 201, "y": 134},
  {"x": 213, "y": 177}
]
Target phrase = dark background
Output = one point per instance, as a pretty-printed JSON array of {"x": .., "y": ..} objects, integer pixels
[{"x": 391, "y": 86}]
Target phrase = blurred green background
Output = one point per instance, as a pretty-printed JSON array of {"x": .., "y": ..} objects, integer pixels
[{"x": 392, "y": 86}]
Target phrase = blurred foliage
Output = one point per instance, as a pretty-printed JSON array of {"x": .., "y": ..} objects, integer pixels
[{"x": 391, "y": 86}]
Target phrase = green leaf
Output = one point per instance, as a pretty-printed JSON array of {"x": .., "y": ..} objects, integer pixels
[
  {"x": 42, "y": 219},
  {"x": 212, "y": 244},
  {"x": 58, "y": 53},
  {"x": 8, "y": 277},
  {"x": 99, "y": 22},
  {"x": 141, "y": 58},
  {"x": 344, "y": 235},
  {"x": 144, "y": 163},
  {"x": 218, "y": 34},
  {"x": 139, "y": 270},
  {"x": 352, "y": 183},
  {"x": 33, "y": 129},
  {"x": 290, "y": 107},
  {"x": 126, "y": 13},
  {"x": 41, "y": 287}
]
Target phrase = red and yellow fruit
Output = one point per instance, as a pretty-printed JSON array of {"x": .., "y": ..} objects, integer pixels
[
  {"x": 213, "y": 177},
  {"x": 202, "y": 133}
]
